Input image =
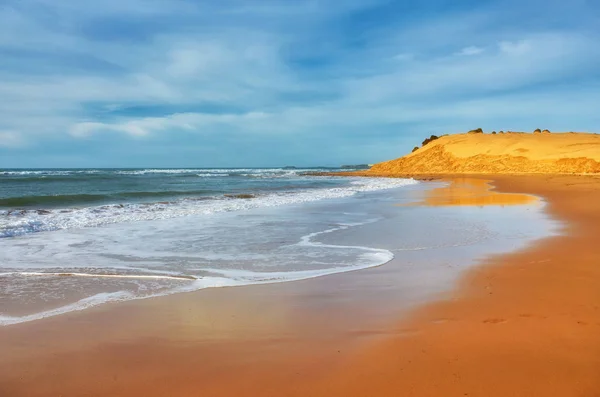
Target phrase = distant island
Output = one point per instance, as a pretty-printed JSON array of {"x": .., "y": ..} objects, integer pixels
[{"x": 356, "y": 167}]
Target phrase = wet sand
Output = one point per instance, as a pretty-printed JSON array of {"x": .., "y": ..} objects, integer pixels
[
  {"x": 469, "y": 191},
  {"x": 521, "y": 324}
]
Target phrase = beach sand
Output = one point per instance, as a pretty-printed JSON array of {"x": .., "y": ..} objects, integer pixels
[
  {"x": 520, "y": 324},
  {"x": 510, "y": 153}
]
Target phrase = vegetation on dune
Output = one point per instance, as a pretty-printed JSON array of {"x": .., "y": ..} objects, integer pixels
[
  {"x": 430, "y": 139},
  {"x": 476, "y": 131}
]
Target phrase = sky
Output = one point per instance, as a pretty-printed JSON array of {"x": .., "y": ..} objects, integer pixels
[{"x": 236, "y": 83}]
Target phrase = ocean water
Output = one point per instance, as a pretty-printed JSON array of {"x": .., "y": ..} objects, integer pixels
[{"x": 73, "y": 239}]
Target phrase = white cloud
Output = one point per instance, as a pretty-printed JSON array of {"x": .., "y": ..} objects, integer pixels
[
  {"x": 401, "y": 75},
  {"x": 552, "y": 57},
  {"x": 517, "y": 48},
  {"x": 10, "y": 139},
  {"x": 404, "y": 57},
  {"x": 471, "y": 50},
  {"x": 180, "y": 121}
]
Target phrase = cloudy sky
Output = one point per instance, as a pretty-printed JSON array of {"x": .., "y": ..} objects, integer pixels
[{"x": 213, "y": 83}]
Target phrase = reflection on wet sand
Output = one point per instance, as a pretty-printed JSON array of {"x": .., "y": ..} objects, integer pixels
[{"x": 463, "y": 191}]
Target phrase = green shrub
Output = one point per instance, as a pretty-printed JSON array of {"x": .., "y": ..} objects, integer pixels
[
  {"x": 476, "y": 131},
  {"x": 430, "y": 139}
]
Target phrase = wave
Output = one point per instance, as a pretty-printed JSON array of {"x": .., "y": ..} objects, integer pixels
[
  {"x": 211, "y": 171},
  {"x": 82, "y": 199},
  {"x": 30, "y": 174},
  {"x": 33, "y": 201},
  {"x": 80, "y": 305},
  {"x": 51, "y": 172},
  {"x": 17, "y": 223},
  {"x": 70, "y": 174},
  {"x": 171, "y": 193},
  {"x": 160, "y": 171},
  {"x": 100, "y": 275},
  {"x": 371, "y": 257},
  {"x": 58, "y": 178}
]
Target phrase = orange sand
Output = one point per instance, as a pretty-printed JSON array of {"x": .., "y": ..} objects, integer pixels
[
  {"x": 557, "y": 153},
  {"x": 524, "y": 324},
  {"x": 463, "y": 191},
  {"x": 527, "y": 324}
]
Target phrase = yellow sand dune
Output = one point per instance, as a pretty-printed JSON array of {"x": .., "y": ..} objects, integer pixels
[{"x": 565, "y": 153}]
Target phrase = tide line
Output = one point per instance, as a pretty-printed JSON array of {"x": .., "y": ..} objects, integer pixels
[{"x": 93, "y": 275}]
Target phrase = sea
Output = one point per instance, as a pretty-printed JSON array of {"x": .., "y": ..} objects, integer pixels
[{"x": 71, "y": 239}]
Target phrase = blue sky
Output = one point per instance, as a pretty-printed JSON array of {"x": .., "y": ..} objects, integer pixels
[{"x": 187, "y": 83}]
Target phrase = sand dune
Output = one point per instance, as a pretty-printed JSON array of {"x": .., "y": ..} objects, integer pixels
[{"x": 561, "y": 153}]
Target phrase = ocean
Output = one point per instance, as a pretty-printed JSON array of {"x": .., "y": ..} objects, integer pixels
[{"x": 71, "y": 239}]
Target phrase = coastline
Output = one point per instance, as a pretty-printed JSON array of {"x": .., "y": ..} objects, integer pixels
[{"x": 524, "y": 323}]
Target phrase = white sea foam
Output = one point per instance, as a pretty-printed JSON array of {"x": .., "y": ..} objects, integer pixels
[
  {"x": 212, "y": 171},
  {"x": 369, "y": 258},
  {"x": 206, "y": 171},
  {"x": 134, "y": 260},
  {"x": 162, "y": 171},
  {"x": 219, "y": 277},
  {"x": 98, "y": 275},
  {"x": 48, "y": 172},
  {"x": 85, "y": 303},
  {"x": 209, "y": 174},
  {"x": 21, "y": 223},
  {"x": 120, "y": 296}
]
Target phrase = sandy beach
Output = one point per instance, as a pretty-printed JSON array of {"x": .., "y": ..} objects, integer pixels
[
  {"x": 274, "y": 198},
  {"x": 506, "y": 153},
  {"x": 521, "y": 324}
]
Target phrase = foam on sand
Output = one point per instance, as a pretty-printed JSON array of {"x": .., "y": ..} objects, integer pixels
[{"x": 219, "y": 278}]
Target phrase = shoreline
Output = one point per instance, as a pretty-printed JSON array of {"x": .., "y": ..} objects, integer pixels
[
  {"x": 462, "y": 191},
  {"x": 523, "y": 324},
  {"x": 283, "y": 339}
]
